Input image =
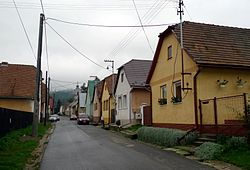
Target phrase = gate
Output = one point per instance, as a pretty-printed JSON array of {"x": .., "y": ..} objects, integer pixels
[
  {"x": 223, "y": 115},
  {"x": 13, "y": 119},
  {"x": 147, "y": 116}
]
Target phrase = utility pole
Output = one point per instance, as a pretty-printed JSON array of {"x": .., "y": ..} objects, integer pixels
[
  {"x": 48, "y": 96},
  {"x": 46, "y": 100},
  {"x": 38, "y": 78},
  {"x": 181, "y": 12},
  {"x": 113, "y": 83}
]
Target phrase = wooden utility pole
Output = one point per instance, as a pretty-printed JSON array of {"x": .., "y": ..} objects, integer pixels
[{"x": 38, "y": 78}]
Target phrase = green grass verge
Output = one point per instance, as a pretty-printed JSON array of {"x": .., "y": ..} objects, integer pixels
[
  {"x": 16, "y": 147},
  {"x": 239, "y": 157},
  {"x": 134, "y": 128}
]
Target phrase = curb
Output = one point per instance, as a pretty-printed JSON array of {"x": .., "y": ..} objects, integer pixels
[{"x": 37, "y": 154}]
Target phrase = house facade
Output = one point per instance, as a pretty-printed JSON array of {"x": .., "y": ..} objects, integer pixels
[
  {"x": 97, "y": 104},
  {"x": 108, "y": 100},
  {"x": 200, "y": 89},
  {"x": 17, "y": 87},
  {"x": 131, "y": 91},
  {"x": 89, "y": 97}
]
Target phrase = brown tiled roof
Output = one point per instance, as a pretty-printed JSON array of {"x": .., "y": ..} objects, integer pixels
[
  {"x": 213, "y": 44},
  {"x": 99, "y": 88},
  {"x": 136, "y": 72},
  {"x": 17, "y": 80},
  {"x": 210, "y": 45},
  {"x": 109, "y": 80}
]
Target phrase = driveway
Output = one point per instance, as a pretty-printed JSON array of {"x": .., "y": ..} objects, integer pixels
[{"x": 87, "y": 147}]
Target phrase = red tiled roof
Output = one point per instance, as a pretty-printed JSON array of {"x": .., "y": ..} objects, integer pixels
[
  {"x": 210, "y": 45},
  {"x": 17, "y": 80}
]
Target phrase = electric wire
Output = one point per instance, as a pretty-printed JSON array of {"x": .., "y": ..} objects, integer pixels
[
  {"x": 187, "y": 12},
  {"x": 61, "y": 81},
  {"x": 138, "y": 15},
  {"x": 41, "y": 2},
  {"x": 46, "y": 48},
  {"x": 111, "y": 26},
  {"x": 26, "y": 34},
  {"x": 85, "y": 56},
  {"x": 148, "y": 17}
]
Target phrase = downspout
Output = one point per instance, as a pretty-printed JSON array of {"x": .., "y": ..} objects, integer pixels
[
  {"x": 130, "y": 105},
  {"x": 195, "y": 97}
]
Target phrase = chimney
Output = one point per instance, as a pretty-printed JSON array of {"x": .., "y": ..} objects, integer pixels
[{"x": 4, "y": 64}]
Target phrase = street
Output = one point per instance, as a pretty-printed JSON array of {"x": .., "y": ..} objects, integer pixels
[{"x": 87, "y": 147}]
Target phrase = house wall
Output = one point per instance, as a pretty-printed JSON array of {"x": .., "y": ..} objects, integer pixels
[
  {"x": 17, "y": 104},
  {"x": 123, "y": 88},
  {"x": 107, "y": 113},
  {"x": 230, "y": 109},
  {"x": 179, "y": 115},
  {"x": 97, "y": 112}
]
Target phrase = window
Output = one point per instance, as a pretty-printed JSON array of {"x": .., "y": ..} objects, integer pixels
[
  {"x": 124, "y": 104},
  {"x": 122, "y": 76},
  {"x": 163, "y": 95},
  {"x": 163, "y": 91},
  {"x": 119, "y": 102},
  {"x": 170, "y": 52},
  {"x": 177, "y": 92}
]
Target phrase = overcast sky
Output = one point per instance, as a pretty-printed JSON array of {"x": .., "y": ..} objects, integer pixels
[{"x": 99, "y": 43}]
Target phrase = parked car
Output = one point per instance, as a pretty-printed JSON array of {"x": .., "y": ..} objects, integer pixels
[
  {"x": 83, "y": 119},
  {"x": 73, "y": 117},
  {"x": 54, "y": 118}
]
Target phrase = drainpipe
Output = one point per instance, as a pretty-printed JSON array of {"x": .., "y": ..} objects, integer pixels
[
  {"x": 130, "y": 105},
  {"x": 195, "y": 97}
]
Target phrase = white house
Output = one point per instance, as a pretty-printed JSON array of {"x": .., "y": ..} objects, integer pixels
[{"x": 131, "y": 90}]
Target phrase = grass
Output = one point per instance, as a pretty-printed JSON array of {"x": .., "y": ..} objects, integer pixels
[
  {"x": 239, "y": 157},
  {"x": 16, "y": 147},
  {"x": 134, "y": 128}
]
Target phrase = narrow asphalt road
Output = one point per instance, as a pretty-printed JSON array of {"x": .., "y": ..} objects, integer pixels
[{"x": 86, "y": 147}]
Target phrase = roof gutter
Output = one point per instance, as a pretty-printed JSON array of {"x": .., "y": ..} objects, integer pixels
[{"x": 195, "y": 97}]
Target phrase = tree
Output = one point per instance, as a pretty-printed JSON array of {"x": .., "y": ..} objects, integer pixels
[
  {"x": 84, "y": 88},
  {"x": 58, "y": 105}
]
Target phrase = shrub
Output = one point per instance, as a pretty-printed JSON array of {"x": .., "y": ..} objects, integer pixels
[
  {"x": 209, "y": 150},
  {"x": 160, "y": 136},
  {"x": 236, "y": 142}
]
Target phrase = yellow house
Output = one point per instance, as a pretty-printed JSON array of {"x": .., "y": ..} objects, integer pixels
[
  {"x": 203, "y": 85},
  {"x": 17, "y": 87},
  {"x": 97, "y": 104},
  {"x": 108, "y": 101}
]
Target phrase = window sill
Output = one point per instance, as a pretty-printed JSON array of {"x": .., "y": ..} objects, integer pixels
[{"x": 177, "y": 103}]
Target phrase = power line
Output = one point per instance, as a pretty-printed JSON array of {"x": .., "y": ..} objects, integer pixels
[
  {"x": 109, "y": 26},
  {"x": 85, "y": 56},
  {"x": 143, "y": 27},
  {"x": 61, "y": 81},
  {"x": 26, "y": 34},
  {"x": 148, "y": 17},
  {"x": 41, "y": 2},
  {"x": 46, "y": 47}
]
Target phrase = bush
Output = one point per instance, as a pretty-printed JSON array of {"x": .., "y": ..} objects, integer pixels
[
  {"x": 236, "y": 142},
  {"x": 160, "y": 136},
  {"x": 209, "y": 150}
]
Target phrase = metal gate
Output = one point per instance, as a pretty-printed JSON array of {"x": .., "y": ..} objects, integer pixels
[{"x": 223, "y": 115}]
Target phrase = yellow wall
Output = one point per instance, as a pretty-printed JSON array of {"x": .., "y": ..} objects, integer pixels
[
  {"x": 139, "y": 97},
  {"x": 17, "y": 104},
  {"x": 208, "y": 88},
  {"x": 106, "y": 96},
  {"x": 167, "y": 72}
]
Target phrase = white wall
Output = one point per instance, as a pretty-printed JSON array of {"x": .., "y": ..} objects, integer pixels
[{"x": 123, "y": 88}]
